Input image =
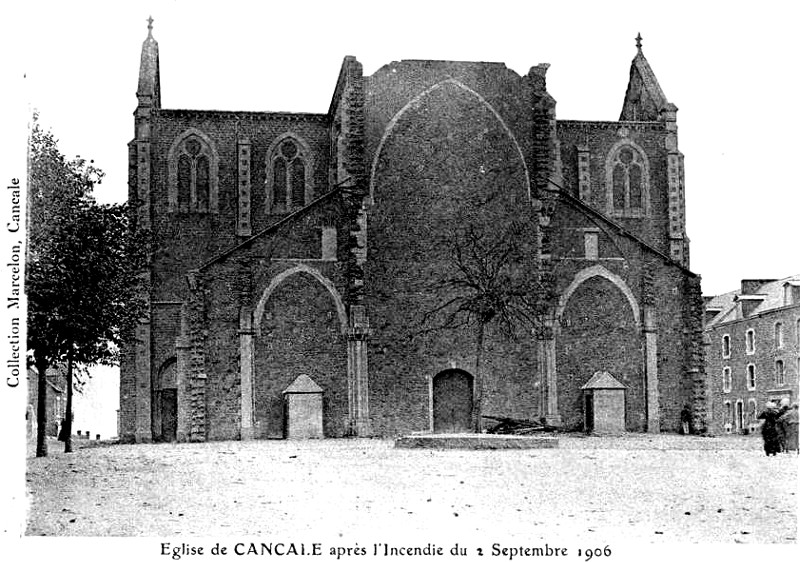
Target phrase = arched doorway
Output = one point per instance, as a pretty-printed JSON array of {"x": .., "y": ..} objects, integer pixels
[
  {"x": 739, "y": 416},
  {"x": 452, "y": 402},
  {"x": 166, "y": 411}
]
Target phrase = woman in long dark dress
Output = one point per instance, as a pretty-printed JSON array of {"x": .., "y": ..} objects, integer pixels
[
  {"x": 769, "y": 429},
  {"x": 790, "y": 418}
]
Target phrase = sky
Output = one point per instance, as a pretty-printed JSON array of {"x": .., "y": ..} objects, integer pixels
[{"x": 730, "y": 67}]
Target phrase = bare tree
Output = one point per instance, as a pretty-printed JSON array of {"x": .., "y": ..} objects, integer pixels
[{"x": 491, "y": 279}]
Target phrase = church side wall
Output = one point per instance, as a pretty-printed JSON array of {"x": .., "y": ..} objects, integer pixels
[
  {"x": 676, "y": 341},
  {"x": 165, "y": 321},
  {"x": 653, "y": 281},
  {"x": 185, "y": 240},
  {"x": 127, "y": 396},
  {"x": 596, "y": 139},
  {"x": 234, "y": 287},
  {"x": 223, "y": 390}
]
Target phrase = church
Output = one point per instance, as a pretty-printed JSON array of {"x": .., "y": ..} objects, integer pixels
[{"x": 435, "y": 251}]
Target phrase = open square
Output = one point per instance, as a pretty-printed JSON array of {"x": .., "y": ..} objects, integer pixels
[{"x": 655, "y": 489}]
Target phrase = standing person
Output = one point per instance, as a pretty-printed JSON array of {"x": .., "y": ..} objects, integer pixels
[
  {"x": 686, "y": 419},
  {"x": 62, "y": 432},
  {"x": 769, "y": 429},
  {"x": 783, "y": 409},
  {"x": 790, "y": 420}
]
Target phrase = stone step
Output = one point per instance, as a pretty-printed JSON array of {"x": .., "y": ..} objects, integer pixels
[{"x": 475, "y": 441}]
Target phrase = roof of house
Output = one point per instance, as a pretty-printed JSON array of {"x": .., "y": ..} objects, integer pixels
[{"x": 769, "y": 296}]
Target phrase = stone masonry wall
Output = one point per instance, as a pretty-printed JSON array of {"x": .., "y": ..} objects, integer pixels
[
  {"x": 186, "y": 240},
  {"x": 448, "y": 164},
  {"x": 301, "y": 334},
  {"x": 597, "y": 139},
  {"x": 643, "y": 272},
  {"x": 464, "y": 148},
  {"x": 237, "y": 283},
  {"x": 766, "y": 353},
  {"x": 598, "y": 333}
]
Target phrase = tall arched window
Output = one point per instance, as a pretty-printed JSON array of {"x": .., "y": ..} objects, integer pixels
[
  {"x": 289, "y": 172},
  {"x": 627, "y": 181},
  {"x": 780, "y": 373},
  {"x": 751, "y": 377},
  {"x": 193, "y": 164},
  {"x": 750, "y": 342}
]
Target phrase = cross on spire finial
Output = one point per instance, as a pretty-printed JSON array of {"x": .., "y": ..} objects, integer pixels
[
  {"x": 150, "y": 25},
  {"x": 639, "y": 42}
]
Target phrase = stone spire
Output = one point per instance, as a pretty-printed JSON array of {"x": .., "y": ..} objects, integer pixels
[
  {"x": 149, "y": 91},
  {"x": 644, "y": 100}
]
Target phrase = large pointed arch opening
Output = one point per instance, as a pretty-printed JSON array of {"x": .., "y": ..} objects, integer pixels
[
  {"x": 415, "y": 102},
  {"x": 281, "y": 277},
  {"x": 299, "y": 330},
  {"x": 598, "y": 329}
]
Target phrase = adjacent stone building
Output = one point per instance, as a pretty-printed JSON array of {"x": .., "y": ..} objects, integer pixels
[
  {"x": 753, "y": 350},
  {"x": 344, "y": 247}
]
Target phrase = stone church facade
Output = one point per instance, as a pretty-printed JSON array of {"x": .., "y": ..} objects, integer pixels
[{"x": 313, "y": 252}]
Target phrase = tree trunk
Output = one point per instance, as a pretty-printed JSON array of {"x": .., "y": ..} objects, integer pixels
[
  {"x": 477, "y": 404},
  {"x": 41, "y": 409},
  {"x": 68, "y": 413}
]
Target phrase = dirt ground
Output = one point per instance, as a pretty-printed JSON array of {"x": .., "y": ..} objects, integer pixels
[{"x": 655, "y": 489}]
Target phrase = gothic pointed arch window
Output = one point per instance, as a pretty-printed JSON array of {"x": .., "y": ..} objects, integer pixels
[
  {"x": 193, "y": 164},
  {"x": 627, "y": 181},
  {"x": 289, "y": 173}
]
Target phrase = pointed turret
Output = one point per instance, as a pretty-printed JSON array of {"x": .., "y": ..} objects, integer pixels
[
  {"x": 149, "y": 91},
  {"x": 645, "y": 100},
  {"x": 135, "y": 368}
]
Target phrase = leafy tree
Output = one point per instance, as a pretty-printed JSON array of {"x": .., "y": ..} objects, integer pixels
[{"x": 81, "y": 277}]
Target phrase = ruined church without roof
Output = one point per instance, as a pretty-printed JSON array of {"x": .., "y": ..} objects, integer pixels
[{"x": 299, "y": 260}]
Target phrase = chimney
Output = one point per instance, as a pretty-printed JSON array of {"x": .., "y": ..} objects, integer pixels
[{"x": 751, "y": 286}]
